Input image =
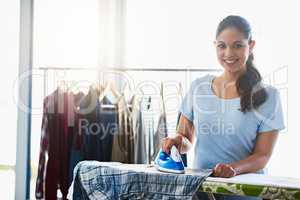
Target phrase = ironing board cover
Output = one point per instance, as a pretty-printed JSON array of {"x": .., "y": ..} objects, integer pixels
[
  {"x": 258, "y": 185},
  {"x": 108, "y": 180}
]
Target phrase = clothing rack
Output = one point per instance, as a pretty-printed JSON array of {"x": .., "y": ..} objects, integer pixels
[
  {"x": 179, "y": 69},
  {"x": 123, "y": 69},
  {"x": 126, "y": 123}
]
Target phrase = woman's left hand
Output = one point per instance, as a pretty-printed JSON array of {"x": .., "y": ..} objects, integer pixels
[{"x": 224, "y": 170}]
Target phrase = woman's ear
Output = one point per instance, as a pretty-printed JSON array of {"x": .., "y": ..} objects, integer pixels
[{"x": 251, "y": 45}]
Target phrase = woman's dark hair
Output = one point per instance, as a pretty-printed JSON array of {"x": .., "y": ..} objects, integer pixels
[{"x": 249, "y": 84}]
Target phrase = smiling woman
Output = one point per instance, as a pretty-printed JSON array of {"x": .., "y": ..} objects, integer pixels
[{"x": 249, "y": 147}]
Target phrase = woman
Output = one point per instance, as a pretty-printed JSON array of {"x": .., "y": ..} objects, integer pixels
[{"x": 233, "y": 118}]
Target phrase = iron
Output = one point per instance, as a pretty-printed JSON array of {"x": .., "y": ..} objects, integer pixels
[{"x": 169, "y": 163}]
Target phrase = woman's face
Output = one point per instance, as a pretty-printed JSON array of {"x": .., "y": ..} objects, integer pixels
[{"x": 233, "y": 50}]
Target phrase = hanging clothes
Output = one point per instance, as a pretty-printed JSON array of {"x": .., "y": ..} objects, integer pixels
[
  {"x": 76, "y": 154},
  {"x": 148, "y": 119},
  {"x": 54, "y": 148},
  {"x": 184, "y": 155},
  {"x": 97, "y": 126},
  {"x": 180, "y": 94},
  {"x": 77, "y": 127},
  {"x": 107, "y": 120},
  {"x": 123, "y": 141},
  {"x": 162, "y": 129},
  {"x": 87, "y": 125},
  {"x": 140, "y": 151}
]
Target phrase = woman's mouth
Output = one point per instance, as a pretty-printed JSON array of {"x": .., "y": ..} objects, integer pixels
[{"x": 230, "y": 61}]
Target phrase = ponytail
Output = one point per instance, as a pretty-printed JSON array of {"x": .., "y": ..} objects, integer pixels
[{"x": 250, "y": 88}]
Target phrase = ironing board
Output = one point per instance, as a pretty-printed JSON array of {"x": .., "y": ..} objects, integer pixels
[
  {"x": 258, "y": 185},
  {"x": 113, "y": 180}
]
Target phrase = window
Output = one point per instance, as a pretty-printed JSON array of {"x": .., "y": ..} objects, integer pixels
[{"x": 9, "y": 50}]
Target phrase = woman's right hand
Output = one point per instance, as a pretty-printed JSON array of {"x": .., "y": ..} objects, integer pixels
[{"x": 168, "y": 142}]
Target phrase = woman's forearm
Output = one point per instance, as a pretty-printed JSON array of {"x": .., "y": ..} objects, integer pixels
[{"x": 251, "y": 164}]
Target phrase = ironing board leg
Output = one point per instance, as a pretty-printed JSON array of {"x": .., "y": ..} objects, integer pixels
[{"x": 211, "y": 196}]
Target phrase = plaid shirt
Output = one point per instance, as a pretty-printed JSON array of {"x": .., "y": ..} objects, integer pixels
[
  {"x": 56, "y": 140},
  {"x": 108, "y": 180}
]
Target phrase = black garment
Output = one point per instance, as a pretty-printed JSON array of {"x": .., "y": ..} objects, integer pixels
[
  {"x": 108, "y": 124},
  {"x": 98, "y": 125},
  {"x": 183, "y": 156},
  {"x": 87, "y": 128}
]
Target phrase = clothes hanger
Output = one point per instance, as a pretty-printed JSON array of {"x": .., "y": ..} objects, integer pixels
[
  {"x": 129, "y": 97},
  {"x": 62, "y": 87},
  {"x": 109, "y": 88},
  {"x": 99, "y": 89},
  {"x": 125, "y": 91},
  {"x": 180, "y": 88},
  {"x": 162, "y": 96},
  {"x": 114, "y": 90},
  {"x": 180, "y": 91},
  {"x": 103, "y": 91}
]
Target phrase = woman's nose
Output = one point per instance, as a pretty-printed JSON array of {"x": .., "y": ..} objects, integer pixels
[{"x": 228, "y": 52}]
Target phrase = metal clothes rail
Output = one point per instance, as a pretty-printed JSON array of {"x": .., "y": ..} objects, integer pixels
[
  {"x": 179, "y": 69},
  {"x": 123, "y": 69}
]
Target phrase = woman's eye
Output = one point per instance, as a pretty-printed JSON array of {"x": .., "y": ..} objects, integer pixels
[
  {"x": 221, "y": 46},
  {"x": 238, "y": 46}
]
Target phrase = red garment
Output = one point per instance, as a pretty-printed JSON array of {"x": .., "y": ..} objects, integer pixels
[
  {"x": 56, "y": 141},
  {"x": 44, "y": 144}
]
